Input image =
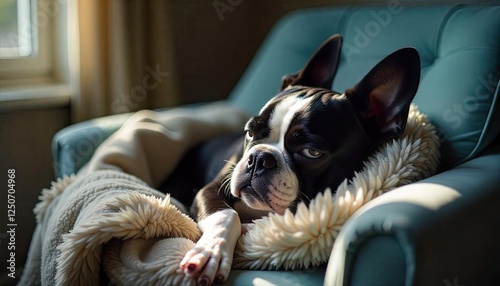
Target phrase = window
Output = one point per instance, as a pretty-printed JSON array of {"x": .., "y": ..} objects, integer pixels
[
  {"x": 33, "y": 51},
  {"x": 17, "y": 38}
]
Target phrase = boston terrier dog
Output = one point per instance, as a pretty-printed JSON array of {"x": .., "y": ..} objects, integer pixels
[{"x": 304, "y": 140}]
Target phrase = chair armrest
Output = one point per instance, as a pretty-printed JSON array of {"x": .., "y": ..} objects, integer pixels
[
  {"x": 73, "y": 146},
  {"x": 442, "y": 229}
]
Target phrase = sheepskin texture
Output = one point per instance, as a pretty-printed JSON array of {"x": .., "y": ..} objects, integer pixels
[
  {"x": 115, "y": 222},
  {"x": 306, "y": 239}
]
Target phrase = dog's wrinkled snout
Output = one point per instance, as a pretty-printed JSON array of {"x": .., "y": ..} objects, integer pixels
[{"x": 261, "y": 161}]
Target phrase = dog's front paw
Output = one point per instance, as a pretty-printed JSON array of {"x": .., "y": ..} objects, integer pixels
[{"x": 211, "y": 259}]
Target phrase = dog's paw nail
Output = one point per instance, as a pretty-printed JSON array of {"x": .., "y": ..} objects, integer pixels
[
  {"x": 219, "y": 278},
  {"x": 191, "y": 267},
  {"x": 204, "y": 281}
]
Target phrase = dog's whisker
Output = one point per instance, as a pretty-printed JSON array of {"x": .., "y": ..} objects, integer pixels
[
  {"x": 226, "y": 181},
  {"x": 231, "y": 163},
  {"x": 304, "y": 198}
]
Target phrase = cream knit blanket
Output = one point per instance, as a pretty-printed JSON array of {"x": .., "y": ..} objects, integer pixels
[{"x": 138, "y": 236}]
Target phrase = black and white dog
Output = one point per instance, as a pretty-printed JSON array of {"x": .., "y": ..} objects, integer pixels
[{"x": 305, "y": 139}]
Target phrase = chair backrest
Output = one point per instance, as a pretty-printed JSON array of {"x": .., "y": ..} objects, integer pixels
[{"x": 459, "y": 48}]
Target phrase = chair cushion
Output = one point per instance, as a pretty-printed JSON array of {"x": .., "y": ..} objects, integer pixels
[{"x": 460, "y": 54}]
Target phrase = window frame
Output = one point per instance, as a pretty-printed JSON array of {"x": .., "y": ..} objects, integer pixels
[{"x": 42, "y": 79}]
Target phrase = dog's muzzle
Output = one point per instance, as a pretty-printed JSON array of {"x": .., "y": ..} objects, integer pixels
[
  {"x": 259, "y": 162},
  {"x": 263, "y": 179}
]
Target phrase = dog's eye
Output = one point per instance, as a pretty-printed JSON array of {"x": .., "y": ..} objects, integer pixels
[
  {"x": 311, "y": 153},
  {"x": 249, "y": 135}
]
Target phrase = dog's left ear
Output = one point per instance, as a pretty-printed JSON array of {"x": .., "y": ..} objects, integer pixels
[
  {"x": 383, "y": 97},
  {"x": 321, "y": 68}
]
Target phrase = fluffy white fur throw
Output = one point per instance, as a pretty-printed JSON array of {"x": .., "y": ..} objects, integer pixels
[
  {"x": 306, "y": 239},
  {"x": 139, "y": 236}
]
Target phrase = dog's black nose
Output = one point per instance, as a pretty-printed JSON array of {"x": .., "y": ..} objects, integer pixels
[{"x": 261, "y": 161}]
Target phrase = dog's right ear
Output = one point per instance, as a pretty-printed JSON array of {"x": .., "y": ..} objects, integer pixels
[{"x": 320, "y": 69}]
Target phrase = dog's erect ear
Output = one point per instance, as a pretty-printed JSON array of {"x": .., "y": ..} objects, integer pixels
[
  {"x": 320, "y": 69},
  {"x": 382, "y": 98}
]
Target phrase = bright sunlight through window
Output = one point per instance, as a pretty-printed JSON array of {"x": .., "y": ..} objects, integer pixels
[{"x": 17, "y": 29}]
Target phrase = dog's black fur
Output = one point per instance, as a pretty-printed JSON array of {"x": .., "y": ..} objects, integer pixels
[
  {"x": 326, "y": 141},
  {"x": 203, "y": 163}
]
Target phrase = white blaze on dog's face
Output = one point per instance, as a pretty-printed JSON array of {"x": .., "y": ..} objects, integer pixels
[
  {"x": 264, "y": 178},
  {"x": 309, "y": 137}
]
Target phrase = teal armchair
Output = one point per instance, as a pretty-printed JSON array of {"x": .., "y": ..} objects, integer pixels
[{"x": 443, "y": 230}]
